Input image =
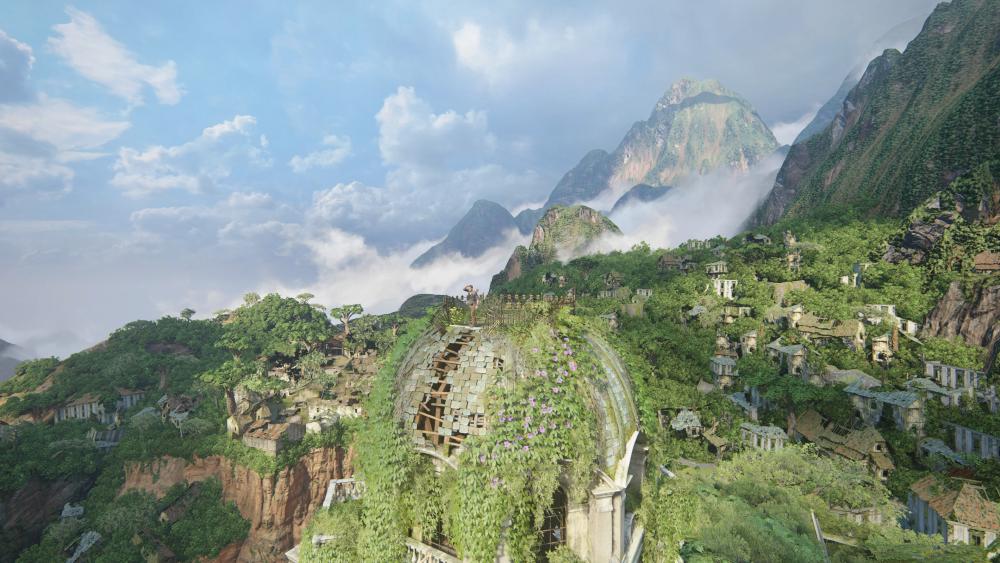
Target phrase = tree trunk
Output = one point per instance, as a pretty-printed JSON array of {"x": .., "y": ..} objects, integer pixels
[{"x": 790, "y": 422}]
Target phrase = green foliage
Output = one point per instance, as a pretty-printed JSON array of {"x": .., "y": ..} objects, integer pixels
[
  {"x": 47, "y": 452},
  {"x": 274, "y": 325},
  {"x": 342, "y": 521},
  {"x": 209, "y": 525},
  {"x": 29, "y": 375}
]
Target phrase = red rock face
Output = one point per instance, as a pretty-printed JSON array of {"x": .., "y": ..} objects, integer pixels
[
  {"x": 977, "y": 320},
  {"x": 278, "y": 507}
]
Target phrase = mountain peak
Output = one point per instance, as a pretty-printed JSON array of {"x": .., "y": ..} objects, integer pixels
[{"x": 687, "y": 88}]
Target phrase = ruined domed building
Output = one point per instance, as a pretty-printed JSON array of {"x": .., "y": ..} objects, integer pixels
[{"x": 482, "y": 404}]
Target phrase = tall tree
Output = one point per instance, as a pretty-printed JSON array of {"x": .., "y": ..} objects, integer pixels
[
  {"x": 187, "y": 313},
  {"x": 344, "y": 314}
]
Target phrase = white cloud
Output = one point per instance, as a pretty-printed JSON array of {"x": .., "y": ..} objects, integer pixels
[
  {"x": 197, "y": 166},
  {"x": 16, "y": 60},
  {"x": 785, "y": 132},
  {"x": 97, "y": 56},
  {"x": 60, "y": 123},
  {"x": 702, "y": 207},
  {"x": 501, "y": 59},
  {"x": 339, "y": 149},
  {"x": 412, "y": 135}
]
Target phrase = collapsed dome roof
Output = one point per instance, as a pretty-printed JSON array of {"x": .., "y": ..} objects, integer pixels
[{"x": 444, "y": 382}]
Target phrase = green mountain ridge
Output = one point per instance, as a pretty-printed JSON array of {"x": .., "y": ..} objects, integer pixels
[{"x": 915, "y": 122}]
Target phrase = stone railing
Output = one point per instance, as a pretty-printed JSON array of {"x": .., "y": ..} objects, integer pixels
[
  {"x": 417, "y": 552},
  {"x": 340, "y": 490}
]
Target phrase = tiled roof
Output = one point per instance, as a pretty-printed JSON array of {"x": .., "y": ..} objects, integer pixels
[
  {"x": 897, "y": 398},
  {"x": 684, "y": 420},
  {"x": 967, "y": 505},
  {"x": 850, "y": 376}
]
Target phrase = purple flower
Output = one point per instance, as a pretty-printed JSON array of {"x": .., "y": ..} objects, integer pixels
[
  {"x": 544, "y": 373},
  {"x": 541, "y": 429},
  {"x": 495, "y": 482},
  {"x": 552, "y": 426},
  {"x": 527, "y": 418},
  {"x": 525, "y": 448},
  {"x": 555, "y": 358},
  {"x": 530, "y": 435},
  {"x": 555, "y": 389},
  {"x": 482, "y": 458},
  {"x": 526, "y": 424},
  {"x": 565, "y": 339},
  {"x": 559, "y": 380},
  {"x": 572, "y": 365},
  {"x": 534, "y": 350},
  {"x": 569, "y": 424},
  {"x": 531, "y": 400},
  {"x": 568, "y": 352},
  {"x": 507, "y": 444}
]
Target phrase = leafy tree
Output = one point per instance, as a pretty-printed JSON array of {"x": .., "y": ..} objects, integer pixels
[
  {"x": 187, "y": 313},
  {"x": 344, "y": 314}
]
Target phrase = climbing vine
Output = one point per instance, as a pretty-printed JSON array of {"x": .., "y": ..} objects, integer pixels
[{"x": 542, "y": 428}]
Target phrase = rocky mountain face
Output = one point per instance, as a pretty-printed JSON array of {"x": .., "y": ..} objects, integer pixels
[
  {"x": 478, "y": 231},
  {"x": 561, "y": 233},
  {"x": 25, "y": 513},
  {"x": 278, "y": 507},
  {"x": 695, "y": 128},
  {"x": 913, "y": 123}
]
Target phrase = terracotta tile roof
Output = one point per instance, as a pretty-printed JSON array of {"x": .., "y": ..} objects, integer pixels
[{"x": 967, "y": 505}]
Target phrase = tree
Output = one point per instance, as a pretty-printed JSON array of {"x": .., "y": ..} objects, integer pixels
[
  {"x": 187, "y": 313},
  {"x": 251, "y": 298},
  {"x": 344, "y": 314},
  {"x": 305, "y": 297}
]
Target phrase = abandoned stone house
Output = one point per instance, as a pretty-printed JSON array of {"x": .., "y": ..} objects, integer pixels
[
  {"x": 986, "y": 262},
  {"x": 686, "y": 423},
  {"x": 958, "y": 512},
  {"x": 620, "y": 293},
  {"x": 865, "y": 445},
  {"x": 882, "y": 350},
  {"x": 929, "y": 388},
  {"x": 105, "y": 439},
  {"x": 694, "y": 244},
  {"x": 272, "y": 437},
  {"x": 954, "y": 377},
  {"x": 793, "y": 261},
  {"x": 833, "y": 376},
  {"x": 789, "y": 239},
  {"x": 905, "y": 407},
  {"x": 83, "y": 408},
  {"x": 342, "y": 490},
  {"x": 878, "y": 312},
  {"x": 758, "y": 238},
  {"x": 732, "y": 312},
  {"x": 967, "y": 440},
  {"x": 851, "y": 332},
  {"x": 748, "y": 342},
  {"x": 791, "y": 358},
  {"x": 442, "y": 386},
  {"x": 716, "y": 269},
  {"x": 669, "y": 263},
  {"x": 724, "y": 288},
  {"x": 765, "y": 438},
  {"x": 90, "y": 406},
  {"x": 937, "y": 455},
  {"x": 643, "y": 293},
  {"x": 723, "y": 371}
]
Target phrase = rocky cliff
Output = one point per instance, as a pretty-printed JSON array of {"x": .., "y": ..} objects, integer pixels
[
  {"x": 696, "y": 127},
  {"x": 25, "y": 514},
  {"x": 975, "y": 318},
  {"x": 562, "y": 233},
  {"x": 278, "y": 507}
]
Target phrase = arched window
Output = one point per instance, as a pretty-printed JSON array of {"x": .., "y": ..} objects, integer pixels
[{"x": 553, "y": 531}]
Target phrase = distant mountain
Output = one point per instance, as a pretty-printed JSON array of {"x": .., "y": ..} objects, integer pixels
[
  {"x": 896, "y": 38},
  {"x": 640, "y": 193},
  {"x": 695, "y": 128},
  {"x": 561, "y": 233},
  {"x": 10, "y": 357},
  {"x": 914, "y": 122},
  {"x": 478, "y": 231}
]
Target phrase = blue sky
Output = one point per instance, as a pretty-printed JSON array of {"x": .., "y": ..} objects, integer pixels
[{"x": 162, "y": 155}]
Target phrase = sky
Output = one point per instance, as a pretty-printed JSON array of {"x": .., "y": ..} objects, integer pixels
[{"x": 157, "y": 156}]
